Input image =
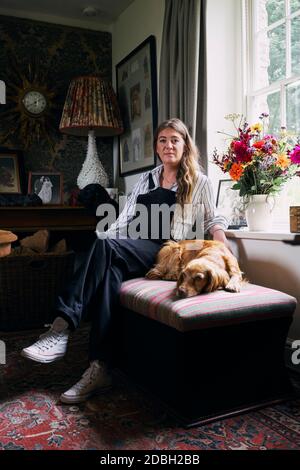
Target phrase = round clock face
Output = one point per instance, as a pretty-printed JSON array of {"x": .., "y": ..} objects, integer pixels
[{"x": 34, "y": 102}]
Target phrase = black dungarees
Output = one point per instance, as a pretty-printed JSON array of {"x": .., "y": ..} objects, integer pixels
[{"x": 96, "y": 284}]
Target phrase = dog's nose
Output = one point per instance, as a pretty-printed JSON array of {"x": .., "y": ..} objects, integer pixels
[{"x": 181, "y": 292}]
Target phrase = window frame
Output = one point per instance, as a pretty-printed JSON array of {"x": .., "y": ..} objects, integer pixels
[{"x": 249, "y": 19}]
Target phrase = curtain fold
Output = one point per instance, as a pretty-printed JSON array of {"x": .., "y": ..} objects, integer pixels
[{"x": 182, "y": 83}]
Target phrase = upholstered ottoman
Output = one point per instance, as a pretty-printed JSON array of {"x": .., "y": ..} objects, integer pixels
[{"x": 208, "y": 356}]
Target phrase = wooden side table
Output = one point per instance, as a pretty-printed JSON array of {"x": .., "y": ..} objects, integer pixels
[
  {"x": 31, "y": 219},
  {"x": 73, "y": 223}
]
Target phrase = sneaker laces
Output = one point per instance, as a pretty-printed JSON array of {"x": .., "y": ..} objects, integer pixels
[
  {"x": 89, "y": 376},
  {"x": 48, "y": 339}
]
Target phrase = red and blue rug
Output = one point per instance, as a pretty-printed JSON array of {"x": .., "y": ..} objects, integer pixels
[{"x": 31, "y": 416}]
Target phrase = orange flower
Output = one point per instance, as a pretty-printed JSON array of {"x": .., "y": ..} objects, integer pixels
[
  {"x": 236, "y": 171},
  {"x": 282, "y": 161}
]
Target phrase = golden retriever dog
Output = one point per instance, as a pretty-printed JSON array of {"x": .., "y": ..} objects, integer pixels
[{"x": 197, "y": 266}]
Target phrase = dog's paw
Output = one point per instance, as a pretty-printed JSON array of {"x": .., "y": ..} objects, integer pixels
[
  {"x": 234, "y": 285},
  {"x": 171, "y": 277},
  {"x": 153, "y": 274}
]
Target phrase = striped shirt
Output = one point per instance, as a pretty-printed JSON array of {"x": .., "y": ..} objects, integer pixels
[{"x": 183, "y": 221}]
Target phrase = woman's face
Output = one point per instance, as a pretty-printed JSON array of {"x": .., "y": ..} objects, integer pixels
[{"x": 170, "y": 147}]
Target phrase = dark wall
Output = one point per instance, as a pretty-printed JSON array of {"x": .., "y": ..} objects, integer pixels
[{"x": 49, "y": 55}]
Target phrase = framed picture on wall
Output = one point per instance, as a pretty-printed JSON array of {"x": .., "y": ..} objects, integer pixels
[
  {"x": 11, "y": 171},
  {"x": 48, "y": 186},
  {"x": 230, "y": 204},
  {"x": 137, "y": 96}
]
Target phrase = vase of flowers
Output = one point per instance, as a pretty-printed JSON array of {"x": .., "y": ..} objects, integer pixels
[
  {"x": 260, "y": 164},
  {"x": 259, "y": 212}
]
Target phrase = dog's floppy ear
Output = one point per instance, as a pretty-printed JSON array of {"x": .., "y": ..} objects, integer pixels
[
  {"x": 213, "y": 280},
  {"x": 200, "y": 281},
  {"x": 216, "y": 278}
]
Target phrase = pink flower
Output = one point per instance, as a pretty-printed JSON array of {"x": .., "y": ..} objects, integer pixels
[
  {"x": 240, "y": 150},
  {"x": 269, "y": 137},
  {"x": 295, "y": 155}
]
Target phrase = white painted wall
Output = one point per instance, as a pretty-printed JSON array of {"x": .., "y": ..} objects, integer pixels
[
  {"x": 224, "y": 74},
  {"x": 273, "y": 264},
  {"x": 141, "y": 19}
]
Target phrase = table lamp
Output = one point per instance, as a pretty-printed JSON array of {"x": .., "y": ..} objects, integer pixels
[{"x": 91, "y": 109}]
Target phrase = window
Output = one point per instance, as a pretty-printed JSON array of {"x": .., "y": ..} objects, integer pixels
[
  {"x": 274, "y": 62},
  {"x": 273, "y": 75}
]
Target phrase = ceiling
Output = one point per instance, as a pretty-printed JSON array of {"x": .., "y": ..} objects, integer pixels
[{"x": 67, "y": 11}]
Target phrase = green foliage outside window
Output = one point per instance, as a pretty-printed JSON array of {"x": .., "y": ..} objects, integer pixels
[{"x": 277, "y": 64}]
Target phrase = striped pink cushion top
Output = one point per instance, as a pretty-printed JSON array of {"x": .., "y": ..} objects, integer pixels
[{"x": 156, "y": 300}]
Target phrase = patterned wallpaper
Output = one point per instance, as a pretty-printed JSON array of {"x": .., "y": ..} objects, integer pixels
[{"x": 50, "y": 55}]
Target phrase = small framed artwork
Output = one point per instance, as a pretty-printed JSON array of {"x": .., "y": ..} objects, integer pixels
[
  {"x": 48, "y": 186},
  {"x": 231, "y": 205},
  {"x": 11, "y": 172},
  {"x": 137, "y": 96}
]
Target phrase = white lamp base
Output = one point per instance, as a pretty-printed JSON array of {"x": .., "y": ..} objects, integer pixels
[{"x": 92, "y": 170}]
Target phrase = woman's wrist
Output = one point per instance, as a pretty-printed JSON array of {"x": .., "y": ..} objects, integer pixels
[
  {"x": 216, "y": 229},
  {"x": 218, "y": 234}
]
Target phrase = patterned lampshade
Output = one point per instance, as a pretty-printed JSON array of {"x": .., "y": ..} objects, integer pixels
[
  {"x": 91, "y": 104},
  {"x": 91, "y": 109}
]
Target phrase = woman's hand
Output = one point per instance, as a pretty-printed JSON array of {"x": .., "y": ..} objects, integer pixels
[{"x": 219, "y": 236}]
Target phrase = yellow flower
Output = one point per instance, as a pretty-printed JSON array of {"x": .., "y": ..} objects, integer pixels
[
  {"x": 256, "y": 127},
  {"x": 282, "y": 161}
]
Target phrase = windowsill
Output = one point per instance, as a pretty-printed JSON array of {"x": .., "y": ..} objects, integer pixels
[{"x": 284, "y": 236}]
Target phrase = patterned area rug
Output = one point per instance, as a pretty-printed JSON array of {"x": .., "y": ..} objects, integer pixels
[{"x": 31, "y": 416}]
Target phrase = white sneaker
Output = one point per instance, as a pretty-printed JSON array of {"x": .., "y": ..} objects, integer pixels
[
  {"x": 51, "y": 347},
  {"x": 94, "y": 379}
]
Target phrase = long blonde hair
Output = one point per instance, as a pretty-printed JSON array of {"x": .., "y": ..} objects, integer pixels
[{"x": 189, "y": 164}]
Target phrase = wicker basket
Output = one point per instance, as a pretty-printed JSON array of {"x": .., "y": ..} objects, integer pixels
[{"x": 29, "y": 286}]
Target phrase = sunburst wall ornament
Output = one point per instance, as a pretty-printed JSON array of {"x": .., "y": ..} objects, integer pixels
[
  {"x": 56, "y": 54},
  {"x": 30, "y": 105}
]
